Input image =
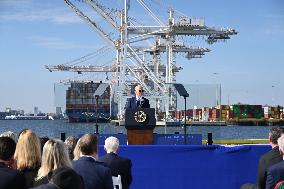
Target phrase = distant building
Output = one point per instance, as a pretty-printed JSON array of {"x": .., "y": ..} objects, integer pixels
[
  {"x": 22, "y": 112},
  {"x": 36, "y": 110},
  {"x": 58, "y": 110}
]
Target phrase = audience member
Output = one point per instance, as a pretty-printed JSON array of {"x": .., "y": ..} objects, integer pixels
[
  {"x": 43, "y": 140},
  {"x": 270, "y": 158},
  {"x": 94, "y": 173},
  {"x": 71, "y": 142},
  {"x": 9, "y": 177},
  {"x": 9, "y": 134},
  {"x": 64, "y": 178},
  {"x": 77, "y": 150},
  {"x": 118, "y": 165},
  {"x": 28, "y": 155},
  {"x": 275, "y": 173},
  {"x": 54, "y": 155},
  {"x": 22, "y": 131}
]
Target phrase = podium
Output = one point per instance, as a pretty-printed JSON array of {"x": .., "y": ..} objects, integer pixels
[{"x": 140, "y": 123}]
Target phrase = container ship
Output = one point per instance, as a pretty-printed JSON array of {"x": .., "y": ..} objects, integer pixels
[{"x": 81, "y": 103}]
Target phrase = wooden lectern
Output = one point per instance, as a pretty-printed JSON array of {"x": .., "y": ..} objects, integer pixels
[{"x": 140, "y": 123}]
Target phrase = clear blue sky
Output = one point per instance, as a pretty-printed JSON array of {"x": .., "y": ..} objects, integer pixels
[{"x": 36, "y": 33}]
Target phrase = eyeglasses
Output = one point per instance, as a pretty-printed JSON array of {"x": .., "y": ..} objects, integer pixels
[{"x": 141, "y": 91}]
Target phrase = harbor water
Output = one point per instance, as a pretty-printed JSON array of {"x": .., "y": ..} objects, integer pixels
[{"x": 53, "y": 129}]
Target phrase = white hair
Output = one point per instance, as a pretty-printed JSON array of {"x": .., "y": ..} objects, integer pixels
[
  {"x": 111, "y": 144},
  {"x": 9, "y": 134},
  {"x": 281, "y": 143},
  {"x": 138, "y": 87}
]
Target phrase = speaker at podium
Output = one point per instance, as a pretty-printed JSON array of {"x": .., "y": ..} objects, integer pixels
[{"x": 140, "y": 123}]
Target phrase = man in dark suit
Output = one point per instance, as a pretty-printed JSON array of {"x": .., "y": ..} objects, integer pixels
[
  {"x": 270, "y": 158},
  {"x": 138, "y": 100},
  {"x": 275, "y": 173},
  {"x": 118, "y": 165},
  {"x": 9, "y": 177},
  {"x": 267, "y": 160},
  {"x": 95, "y": 174}
]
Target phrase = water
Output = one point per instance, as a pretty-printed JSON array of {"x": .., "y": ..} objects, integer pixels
[{"x": 53, "y": 129}]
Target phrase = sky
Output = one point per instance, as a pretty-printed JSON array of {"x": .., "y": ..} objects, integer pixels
[{"x": 35, "y": 33}]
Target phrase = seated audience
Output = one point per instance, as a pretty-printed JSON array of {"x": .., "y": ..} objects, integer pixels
[
  {"x": 28, "y": 155},
  {"x": 266, "y": 160},
  {"x": 71, "y": 142},
  {"x": 95, "y": 174},
  {"x": 64, "y": 178},
  {"x": 275, "y": 173},
  {"x": 54, "y": 155},
  {"x": 118, "y": 165},
  {"x": 9, "y": 177},
  {"x": 270, "y": 158}
]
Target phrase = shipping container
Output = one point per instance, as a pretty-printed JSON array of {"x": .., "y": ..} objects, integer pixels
[{"x": 81, "y": 104}]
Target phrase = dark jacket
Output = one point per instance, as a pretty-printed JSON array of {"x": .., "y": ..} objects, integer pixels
[
  {"x": 275, "y": 174},
  {"x": 30, "y": 175},
  {"x": 95, "y": 174},
  {"x": 11, "y": 178},
  {"x": 268, "y": 159},
  {"x": 43, "y": 180},
  {"x": 119, "y": 166},
  {"x": 46, "y": 186},
  {"x": 132, "y": 103}
]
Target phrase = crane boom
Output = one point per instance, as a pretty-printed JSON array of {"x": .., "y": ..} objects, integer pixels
[{"x": 92, "y": 24}]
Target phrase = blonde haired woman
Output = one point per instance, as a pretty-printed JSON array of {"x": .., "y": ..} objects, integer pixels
[
  {"x": 28, "y": 155},
  {"x": 77, "y": 150},
  {"x": 55, "y": 155}
]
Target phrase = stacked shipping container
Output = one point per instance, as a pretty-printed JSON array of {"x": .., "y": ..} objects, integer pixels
[
  {"x": 247, "y": 111},
  {"x": 225, "y": 112},
  {"x": 81, "y": 103}
]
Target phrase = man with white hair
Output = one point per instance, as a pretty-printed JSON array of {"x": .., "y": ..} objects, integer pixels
[
  {"x": 9, "y": 134},
  {"x": 138, "y": 101},
  {"x": 118, "y": 165},
  {"x": 275, "y": 173}
]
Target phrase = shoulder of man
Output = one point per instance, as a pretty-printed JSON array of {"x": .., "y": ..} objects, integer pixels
[
  {"x": 276, "y": 167},
  {"x": 124, "y": 160},
  {"x": 269, "y": 154},
  {"x": 102, "y": 164}
]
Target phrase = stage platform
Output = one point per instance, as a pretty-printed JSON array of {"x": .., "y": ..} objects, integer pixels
[{"x": 192, "y": 166}]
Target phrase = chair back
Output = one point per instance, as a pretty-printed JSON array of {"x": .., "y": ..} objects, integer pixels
[
  {"x": 117, "y": 182},
  {"x": 279, "y": 185}
]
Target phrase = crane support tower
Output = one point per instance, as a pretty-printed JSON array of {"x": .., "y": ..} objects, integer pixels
[{"x": 144, "y": 54}]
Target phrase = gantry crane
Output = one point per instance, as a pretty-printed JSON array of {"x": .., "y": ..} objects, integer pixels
[{"x": 132, "y": 56}]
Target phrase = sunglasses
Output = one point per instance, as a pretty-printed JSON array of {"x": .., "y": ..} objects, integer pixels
[{"x": 141, "y": 90}]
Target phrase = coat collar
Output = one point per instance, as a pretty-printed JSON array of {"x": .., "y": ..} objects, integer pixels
[
  {"x": 112, "y": 154},
  {"x": 87, "y": 158}
]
